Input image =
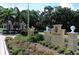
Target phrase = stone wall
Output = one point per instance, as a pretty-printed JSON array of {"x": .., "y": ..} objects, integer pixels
[
  {"x": 72, "y": 41},
  {"x": 57, "y": 35},
  {"x": 58, "y": 38}
]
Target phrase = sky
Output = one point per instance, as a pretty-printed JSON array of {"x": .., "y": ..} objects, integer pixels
[{"x": 39, "y": 6}]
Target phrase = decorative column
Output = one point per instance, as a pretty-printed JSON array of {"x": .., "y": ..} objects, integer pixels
[{"x": 72, "y": 39}]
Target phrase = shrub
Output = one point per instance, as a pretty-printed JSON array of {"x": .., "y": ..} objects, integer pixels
[
  {"x": 67, "y": 52},
  {"x": 46, "y": 45},
  {"x": 51, "y": 46},
  {"x": 9, "y": 42},
  {"x": 26, "y": 53},
  {"x": 72, "y": 52},
  {"x": 8, "y": 38},
  {"x": 31, "y": 39},
  {"x": 78, "y": 47},
  {"x": 42, "y": 42},
  {"x": 61, "y": 50},
  {"x": 20, "y": 37},
  {"x": 23, "y": 52},
  {"x": 16, "y": 51},
  {"x": 39, "y": 37},
  {"x": 24, "y": 32},
  {"x": 55, "y": 47},
  {"x": 36, "y": 31},
  {"x": 78, "y": 43},
  {"x": 77, "y": 52},
  {"x": 35, "y": 38}
]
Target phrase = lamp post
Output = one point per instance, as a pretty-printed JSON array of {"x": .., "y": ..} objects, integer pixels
[
  {"x": 28, "y": 20},
  {"x": 28, "y": 17}
]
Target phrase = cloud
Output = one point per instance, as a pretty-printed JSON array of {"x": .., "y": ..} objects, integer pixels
[
  {"x": 38, "y": 1},
  {"x": 65, "y": 5},
  {"x": 23, "y": 6},
  {"x": 69, "y": 5},
  {"x": 12, "y": 5},
  {"x": 42, "y": 8}
]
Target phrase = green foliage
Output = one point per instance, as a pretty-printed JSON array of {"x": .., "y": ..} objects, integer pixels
[
  {"x": 39, "y": 37},
  {"x": 44, "y": 42},
  {"x": 78, "y": 42},
  {"x": 24, "y": 32},
  {"x": 36, "y": 31},
  {"x": 9, "y": 42},
  {"x": 21, "y": 37},
  {"x": 17, "y": 50},
  {"x": 39, "y": 20},
  {"x": 78, "y": 48},
  {"x": 51, "y": 46},
  {"x": 55, "y": 47},
  {"x": 77, "y": 52},
  {"x": 67, "y": 52},
  {"x": 35, "y": 38},
  {"x": 8, "y": 38},
  {"x": 18, "y": 46},
  {"x": 32, "y": 39},
  {"x": 61, "y": 50}
]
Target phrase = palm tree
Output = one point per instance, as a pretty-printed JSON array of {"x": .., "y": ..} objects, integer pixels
[
  {"x": 17, "y": 14},
  {"x": 6, "y": 14}
]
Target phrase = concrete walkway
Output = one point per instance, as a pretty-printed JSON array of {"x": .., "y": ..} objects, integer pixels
[{"x": 3, "y": 48}]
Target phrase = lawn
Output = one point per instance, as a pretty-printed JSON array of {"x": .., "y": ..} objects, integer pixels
[{"x": 21, "y": 37}]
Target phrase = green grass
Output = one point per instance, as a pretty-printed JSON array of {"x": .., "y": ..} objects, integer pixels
[{"x": 21, "y": 37}]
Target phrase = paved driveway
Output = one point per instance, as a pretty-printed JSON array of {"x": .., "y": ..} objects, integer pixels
[{"x": 3, "y": 48}]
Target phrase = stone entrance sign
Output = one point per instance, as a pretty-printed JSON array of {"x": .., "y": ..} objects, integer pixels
[{"x": 57, "y": 35}]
